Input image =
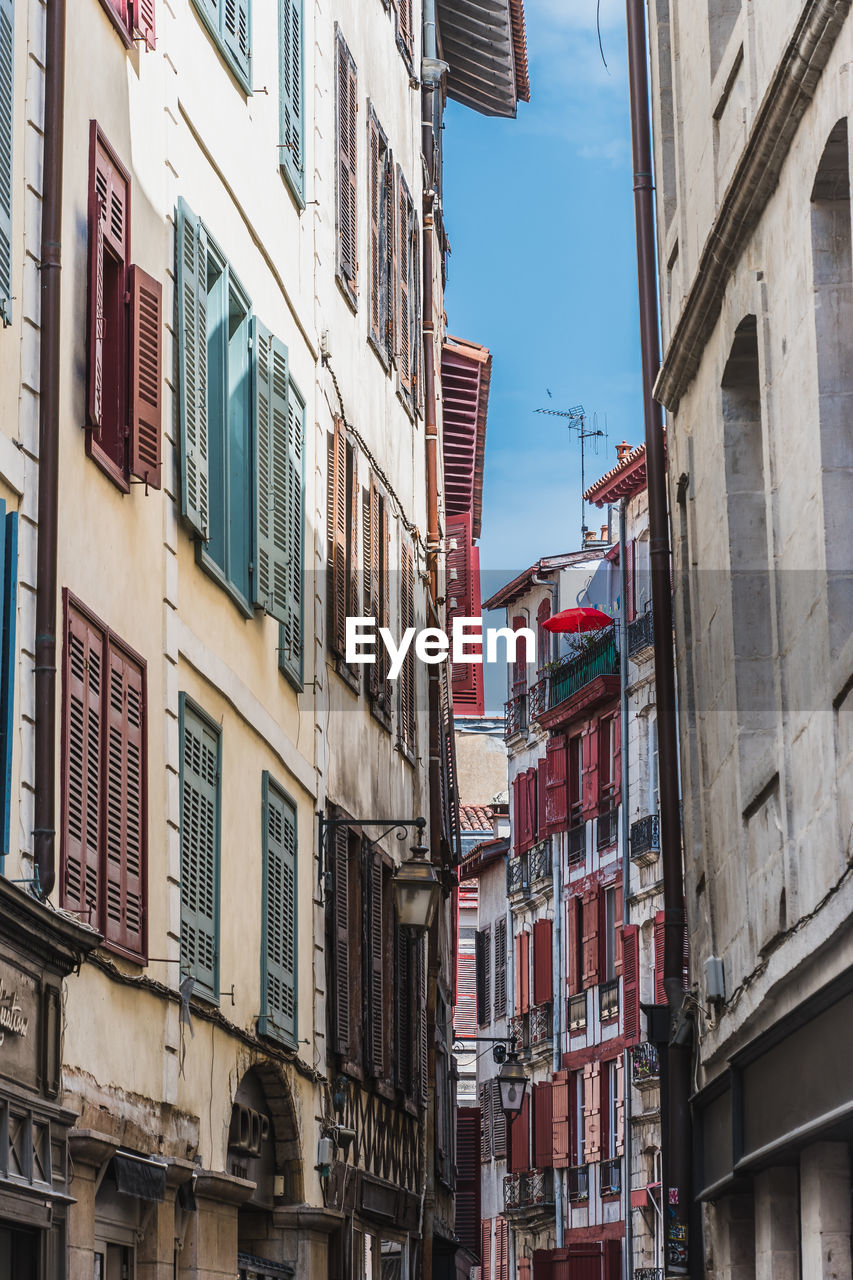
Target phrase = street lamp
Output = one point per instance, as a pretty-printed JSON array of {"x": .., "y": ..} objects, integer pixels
[
  {"x": 512, "y": 1083},
  {"x": 416, "y": 889}
]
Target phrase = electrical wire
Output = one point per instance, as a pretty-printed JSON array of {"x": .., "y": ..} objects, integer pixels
[{"x": 600, "y": 43}]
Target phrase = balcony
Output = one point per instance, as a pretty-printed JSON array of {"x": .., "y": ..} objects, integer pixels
[
  {"x": 571, "y": 674},
  {"x": 540, "y": 1025},
  {"x": 515, "y": 712},
  {"x": 608, "y": 1000},
  {"x": 611, "y": 1177},
  {"x": 578, "y": 1181},
  {"x": 539, "y": 862},
  {"x": 576, "y": 1013},
  {"x": 577, "y": 844},
  {"x": 649, "y": 1273},
  {"x": 519, "y": 1031},
  {"x": 608, "y": 829},
  {"x": 645, "y": 1066},
  {"x": 641, "y": 637},
  {"x": 645, "y": 840},
  {"x": 528, "y": 1193},
  {"x": 537, "y": 699},
  {"x": 517, "y": 877}
]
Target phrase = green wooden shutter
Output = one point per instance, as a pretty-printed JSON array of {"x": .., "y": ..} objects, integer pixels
[
  {"x": 291, "y": 651},
  {"x": 192, "y": 358},
  {"x": 278, "y": 948},
  {"x": 273, "y": 490},
  {"x": 235, "y": 17},
  {"x": 200, "y": 750},
  {"x": 292, "y": 122},
  {"x": 7, "y": 67}
]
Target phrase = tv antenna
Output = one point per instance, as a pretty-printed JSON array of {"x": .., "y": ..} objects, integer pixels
[{"x": 577, "y": 421}]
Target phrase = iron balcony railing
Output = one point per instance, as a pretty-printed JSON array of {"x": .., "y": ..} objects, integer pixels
[
  {"x": 575, "y": 671},
  {"x": 641, "y": 636},
  {"x": 528, "y": 1191},
  {"x": 517, "y": 877},
  {"x": 519, "y": 1031},
  {"x": 649, "y": 1273},
  {"x": 577, "y": 844},
  {"x": 516, "y": 716},
  {"x": 537, "y": 699},
  {"x": 645, "y": 840},
  {"x": 608, "y": 828},
  {"x": 611, "y": 1177},
  {"x": 577, "y": 1012},
  {"x": 608, "y": 1000},
  {"x": 579, "y": 1182},
  {"x": 540, "y": 1025},
  {"x": 645, "y": 1065},
  {"x": 539, "y": 861}
]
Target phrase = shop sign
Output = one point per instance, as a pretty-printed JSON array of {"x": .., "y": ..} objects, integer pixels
[{"x": 12, "y": 1019}]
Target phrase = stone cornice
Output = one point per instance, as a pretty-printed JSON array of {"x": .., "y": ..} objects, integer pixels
[{"x": 753, "y": 182}]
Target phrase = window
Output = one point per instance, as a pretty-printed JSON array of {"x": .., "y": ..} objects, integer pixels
[
  {"x": 347, "y": 170},
  {"x": 292, "y": 103},
  {"x": 381, "y": 256},
  {"x": 278, "y": 946},
  {"x": 608, "y": 749},
  {"x": 376, "y": 534},
  {"x": 575, "y": 781},
  {"x": 201, "y": 749},
  {"x": 406, "y": 33},
  {"x": 242, "y": 426},
  {"x": 343, "y": 592},
  {"x": 654, "y": 777},
  {"x": 8, "y": 665},
  {"x": 125, "y": 307},
  {"x": 230, "y": 23},
  {"x": 543, "y": 637},
  {"x": 133, "y": 19},
  {"x": 104, "y": 800},
  {"x": 7, "y": 98},
  {"x": 608, "y": 935},
  {"x": 483, "y": 952},
  {"x": 465, "y": 1012},
  {"x": 407, "y": 723},
  {"x": 408, "y": 294},
  {"x": 578, "y": 1125}
]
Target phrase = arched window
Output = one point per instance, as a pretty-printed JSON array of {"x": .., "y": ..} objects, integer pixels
[{"x": 832, "y": 266}]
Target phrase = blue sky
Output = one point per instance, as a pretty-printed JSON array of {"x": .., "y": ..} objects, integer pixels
[{"x": 543, "y": 271}]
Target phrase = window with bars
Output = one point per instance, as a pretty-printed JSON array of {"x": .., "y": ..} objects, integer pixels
[
  {"x": 291, "y": 57},
  {"x": 104, "y": 800},
  {"x": 278, "y": 942},
  {"x": 125, "y": 321},
  {"x": 134, "y": 20},
  {"x": 200, "y": 835},
  {"x": 242, "y": 440},
  {"x": 229, "y": 22}
]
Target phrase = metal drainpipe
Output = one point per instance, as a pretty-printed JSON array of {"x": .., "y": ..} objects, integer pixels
[
  {"x": 44, "y": 827},
  {"x": 675, "y": 1061},
  {"x": 557, "y": 876},
  {"x": 628, "y": 1269}
]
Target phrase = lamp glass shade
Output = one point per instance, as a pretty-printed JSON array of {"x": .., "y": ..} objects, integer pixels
[
  {"x": 512, "y": 1083},
  {"x": 416, "y": 893}
]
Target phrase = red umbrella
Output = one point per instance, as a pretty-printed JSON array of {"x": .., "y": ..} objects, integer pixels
[{"x": 573, "y": 621}]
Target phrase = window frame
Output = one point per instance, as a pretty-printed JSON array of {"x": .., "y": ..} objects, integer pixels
[{"x": 243, "y": 77}]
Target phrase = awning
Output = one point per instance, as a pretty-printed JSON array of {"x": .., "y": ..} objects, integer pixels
[
  {"x": 140, "y": 1177},
  {"x": 484, "y": 44}
]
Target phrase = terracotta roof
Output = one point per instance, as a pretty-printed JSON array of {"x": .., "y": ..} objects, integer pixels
[
  {"x": 481, "y": 855},
  {"x": 622, "y": 481},
  {"x": 466, "y": 374},
  {"x": 547, "y": 564},
  {"x": 475, "y": 817}
]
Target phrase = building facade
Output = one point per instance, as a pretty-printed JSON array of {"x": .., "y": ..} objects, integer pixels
[
  {"x": 751, "y": 122},
  {"x": 222, "y": 435}
]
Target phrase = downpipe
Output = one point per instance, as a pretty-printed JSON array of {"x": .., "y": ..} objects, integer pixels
[{"x": 628, "y": 1261}]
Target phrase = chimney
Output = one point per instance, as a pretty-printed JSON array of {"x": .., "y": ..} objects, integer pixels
[
  {"x": 604, "y": 533},
  {"x": 622, "y": 450},
  {"x": 590, "y": 536}
]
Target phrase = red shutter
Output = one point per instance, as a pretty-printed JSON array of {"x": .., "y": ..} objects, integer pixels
[
  {"x": 468, "y": 1178},
  {"x": 532, "y": 796},
  {"x": 146, "y": 309},
  {"x": 519, "y": 666},
  {"x": 463, "y": 587},
  {"x": 143, "y": 22},
  {"x": 341, "y": 1002},
  {"x": 616, "y": 730},
  {"x": 590, "y": 771},
  {"x": 543, "y": 637},
  {"x": 556, "y": 786},
  {"x": 524, "y": 1269},
  {"x": 660, "y": 935},
  {"x": 518, "y": 796},
  {"x": 543, "y": 985},
  {"x": 108, "y": 218},
  {"x": 592, "y": 1112},
  {"x": 612, "y": 1260},
  {"x": 524, "y": 971},
  {"x": 619, "y": 1145},
  {"x": 590, "y": 939},
  {"x": 376, "y": 195},
  {"x": 337, "y": 535},
  {"x": 486, "y": 1248},
  {"x": 618, "y": 944},
  {"x": 629, "y": 581},
  {"x": 541, "y": 825},
  {"x": 543, "y": 1136},
  {"x": 84, "y": 703},
  {"x": 501, "y": 1249},
  {"x": 519, "y": 1139},
  {"x": 575, "y": 937},
  {"x": 560, "y": 1113},
  {"x": 631, "y": 984},
  {"x": 124, "y": 917},
  {"x": 405, "y": 212},
  {"x": 465, "y": 1012}
]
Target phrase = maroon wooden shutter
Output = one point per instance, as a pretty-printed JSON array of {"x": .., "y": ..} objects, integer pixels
[
  {"x": 630, "y": 595},
  {"x": 463, "y": 587},
  {"x": 486, "y": 1117},
  {"x": 501, "y": 1249},
  {"x": 616, "y": 780},
  {"x": 560, "y": 1125},
  {"x": 612, "y": 1260},
  {"x": 543, "y": 637},
  {"x": 500, "y": 969},
  {"x": 406, "y": 26},
  {"x": 590, "y": 939},
  {"x": 631, "y": 984},
  {"x": 143, "y": 22},
  {"x": 575, "y": 937},
  {"x": 498, "y": 1122},
  {"x": 531, "y": 787},
  {"x": 575, "y": 780},
  {"x": 519, "y": 1139},
  {"x": 468, "y": 1178},
  {"x": 619, "y": 1108},
  {"x": 519, "y": 666},
  {"x": 519, "y": 799},
  {"x": 404, "y": 282},
  {"x": 543, "y": 985},
  {"x": 590, "y": 771},
  {"x": 82, "y": 767},
  {"x": 523, "y": 973},
  {"x": 146, "y": 308},
  {"x": 407, "y": 675},
  {"x": 124, "y": 917},
  {"x": 618, "y": 946},
  {"x": 543, "y": 1119},
  {"x": 592, "y": 1112},
  {"x": 376, "y": 960},
  {"x": 341, "y": 1002},
  {"x": 486, "y": 1248},
  {"x": 660, "y": 938},
  {"x": 376, "y": 195},
  {"x": 403, "y": 1019},
  {"x": 556, "y": 786},
  {"x": 541, "y": 827},
  {"x": 337, "y": 537}
]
